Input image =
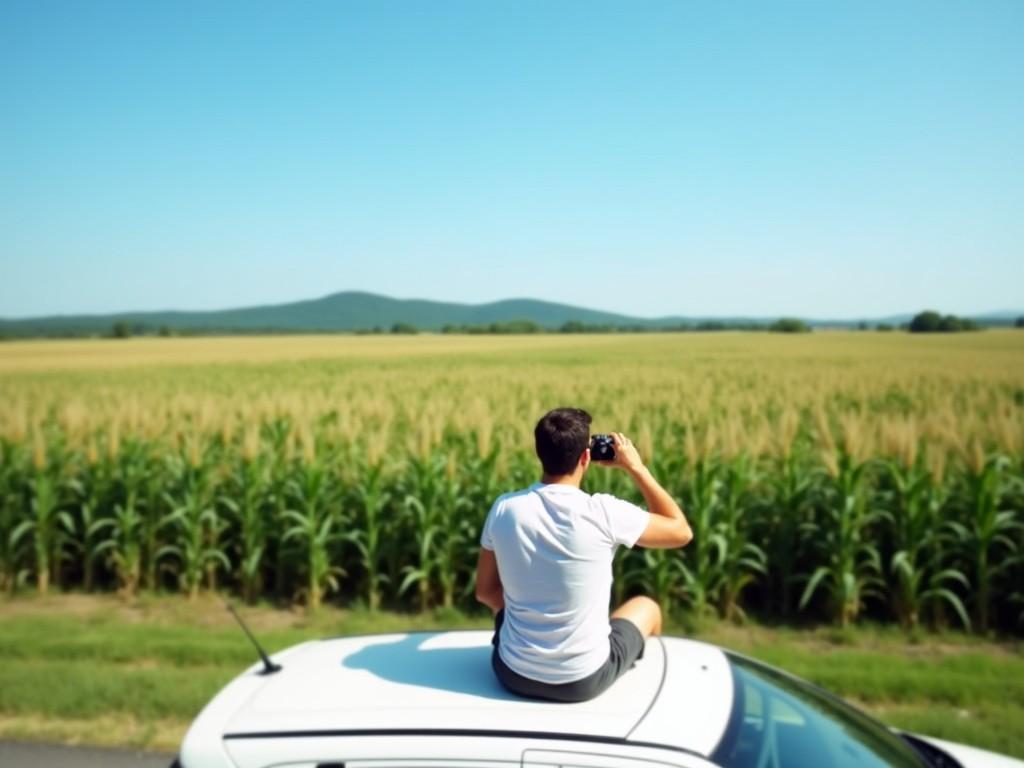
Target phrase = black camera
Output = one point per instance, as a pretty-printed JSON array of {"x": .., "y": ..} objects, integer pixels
[{"x": 602, "y": 448}]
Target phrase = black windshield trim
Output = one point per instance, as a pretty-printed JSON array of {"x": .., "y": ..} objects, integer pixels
[{"x": 931, "y": 754}]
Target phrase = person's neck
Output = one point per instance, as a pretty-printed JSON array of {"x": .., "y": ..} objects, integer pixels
[{"x": 574, "y": 480}]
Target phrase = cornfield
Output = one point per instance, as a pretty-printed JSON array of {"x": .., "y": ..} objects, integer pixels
[{"x": 834, "y": 477}]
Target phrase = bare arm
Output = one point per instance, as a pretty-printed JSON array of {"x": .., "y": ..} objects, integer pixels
[
  {"x": 668, "y": 527},
  {"x": 489, "y": 590}
]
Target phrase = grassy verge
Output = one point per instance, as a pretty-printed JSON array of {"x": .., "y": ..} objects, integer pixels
[{"x": 94, "y": 670}]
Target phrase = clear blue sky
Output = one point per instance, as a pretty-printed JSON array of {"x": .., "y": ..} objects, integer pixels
[{"x": 837, "y": 159}]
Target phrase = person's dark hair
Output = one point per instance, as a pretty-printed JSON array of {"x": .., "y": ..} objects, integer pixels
[{"x": 560, "y": 438}]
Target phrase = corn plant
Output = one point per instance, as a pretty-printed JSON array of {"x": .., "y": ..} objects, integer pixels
[
  {"x": 216, "y": 526},
  {"x": 275, "y": 436},
  {"x": 985, "y": 531},
  {"x": 91, "y": 491},
  {"x": 48, "y": 526},
  {"x": 122, "y": 544},
  {"x": 1015, "y": 497},
  {"x": 483, "y": 475},
  {"x": 191, "y": 519},
  {"x": 701, "y": 569},
  {"x": 132, "y": 532},
  {"x": 11, "y": 471},
  {"x": 456, "y": 535},
  {"x": 140, "y": 470},
  {"x": 244, "y": 497},
  {"x": 782, "y": 516},
  {"x": 922, "y": 541},
  {"x": 484, "y": 480},
  {"x": 421, "y": 502},
  {"x": 657, "y": 573},
  {"x": 314, "y": 525},
  {"x": 371, "y": 497},
  {"x": 739, "y": 559},
  {"x": 851, "y": 564}
]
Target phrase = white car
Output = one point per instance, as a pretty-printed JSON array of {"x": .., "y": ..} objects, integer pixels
[{"x": 430, "y": 700}]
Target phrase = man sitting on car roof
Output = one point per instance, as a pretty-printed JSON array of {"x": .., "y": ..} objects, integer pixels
[{"x": 545, "y": 567}]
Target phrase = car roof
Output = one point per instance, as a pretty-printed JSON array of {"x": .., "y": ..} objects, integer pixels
[{"x": 678, "y": 695}]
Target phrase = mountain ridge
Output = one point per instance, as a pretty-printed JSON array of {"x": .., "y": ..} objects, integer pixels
[{"x": 349, "y": 311}]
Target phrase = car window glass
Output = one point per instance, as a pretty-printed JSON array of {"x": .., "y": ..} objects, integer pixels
[{"x": 781, "y": 722}]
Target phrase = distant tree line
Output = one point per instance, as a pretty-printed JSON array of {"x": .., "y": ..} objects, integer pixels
[
  {"x": 398, "y": 329},
  {"x": 783, "y": 325},
  {"x": 930, "y": 321},
  {"x": 576, "y": 326},
  {"x": 123, "y": 329},
  {"x": 789, "y": 325},
  {"x": 512, "y": 326}
]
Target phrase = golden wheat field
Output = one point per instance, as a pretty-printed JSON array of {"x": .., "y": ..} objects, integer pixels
[{"x": 831, "y": 475}]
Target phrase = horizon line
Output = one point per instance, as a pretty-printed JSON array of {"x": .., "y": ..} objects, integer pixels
[{"x": 646, "y": 318}]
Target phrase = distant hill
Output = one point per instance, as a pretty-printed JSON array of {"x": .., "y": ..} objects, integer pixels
[
  {"x": 346, "y": 311},
  {"x": 354, "y": 310}
]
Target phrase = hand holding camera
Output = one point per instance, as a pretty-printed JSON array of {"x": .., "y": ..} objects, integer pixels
[{"x": 615, "y": 450}]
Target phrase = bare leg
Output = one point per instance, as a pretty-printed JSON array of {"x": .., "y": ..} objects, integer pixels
[{"x": 643, "y": 612}]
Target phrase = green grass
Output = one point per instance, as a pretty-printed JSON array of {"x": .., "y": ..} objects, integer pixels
[{"x": 95, "y": 670}]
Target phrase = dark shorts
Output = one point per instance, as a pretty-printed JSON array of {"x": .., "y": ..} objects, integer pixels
[{"x": 627, "y": 645}]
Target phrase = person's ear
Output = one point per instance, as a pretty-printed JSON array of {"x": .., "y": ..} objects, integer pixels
[{"x": 585, "y": 458}]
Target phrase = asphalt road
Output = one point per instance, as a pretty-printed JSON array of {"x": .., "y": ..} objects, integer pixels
[{"x": 17, "y": 754}]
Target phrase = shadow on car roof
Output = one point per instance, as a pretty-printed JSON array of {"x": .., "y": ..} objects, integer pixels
[{"x": 410, "y": 660}]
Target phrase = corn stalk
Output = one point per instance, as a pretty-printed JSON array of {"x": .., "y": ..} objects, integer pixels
[
  {"x": 701, "y": 570},
  {"x": 246, "y": 492},
  {"x": 784, "y": 515},
  {"x": 841, "y": 532},
  {"x": 313, "y": 523},
  {"x": 123, "y": 544},
  {"x": 922, "y": 542},
  {"x": 985, "y": 532},
  {"x": 372, "y": 526},
  {"x": 11, "y": 471},
  {"x": 191, "y": 520},
  {"x": 739, "y": 559},
  {"x": 48, "y": 526}
]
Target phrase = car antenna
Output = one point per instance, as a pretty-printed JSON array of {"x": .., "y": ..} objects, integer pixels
[{"x": 269, "y": 667}]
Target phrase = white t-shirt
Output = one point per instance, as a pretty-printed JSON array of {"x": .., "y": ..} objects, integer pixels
[{"x": 554, "y": 546}]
